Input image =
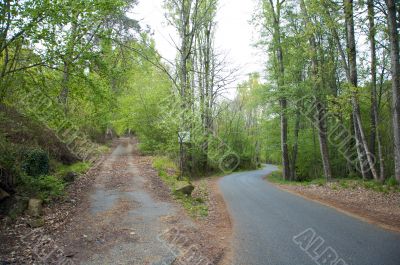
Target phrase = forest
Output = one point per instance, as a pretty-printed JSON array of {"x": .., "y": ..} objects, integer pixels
[
  {"x": 111, "y": 152},
  {"x": 326, "y": 106}
]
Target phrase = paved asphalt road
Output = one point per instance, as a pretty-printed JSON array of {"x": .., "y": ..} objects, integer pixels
[{"x": 266, "y": 219}]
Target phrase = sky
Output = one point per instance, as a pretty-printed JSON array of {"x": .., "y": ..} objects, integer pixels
[{"x": 234, "y": 34}]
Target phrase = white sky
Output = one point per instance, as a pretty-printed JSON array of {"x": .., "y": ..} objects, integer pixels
[{"x": 234, "y": 35}]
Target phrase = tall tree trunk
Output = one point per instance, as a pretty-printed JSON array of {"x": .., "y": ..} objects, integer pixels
[
  {"x": 371, "y": 19},
  {"x": 323, "y": 139},
  {"x": 363, "y": 150},
  {"x": 184, "y": 54},
  {"x": 65, "y": 86},
  {"x": 68, "y": 60},
  {"x": 395, "y": 69},
  {"x": 295, "y": 145},
  {"x": 318, "y": 90},
  {"x": 281, "y": 82},
  {"x": 375, "y": 134}
]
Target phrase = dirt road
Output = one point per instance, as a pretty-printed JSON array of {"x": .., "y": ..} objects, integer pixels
[{"x": 120, "y": 212}]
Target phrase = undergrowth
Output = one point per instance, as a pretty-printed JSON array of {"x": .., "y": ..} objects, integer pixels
[
  {"x": 78, "y": 168},
  {"x": 390, "y": 185},
  {"x": 167, "y": 170}
]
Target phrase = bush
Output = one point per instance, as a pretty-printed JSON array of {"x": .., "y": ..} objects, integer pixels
[
  {"x": 8, "y": 164},
  {"x": 45, "y": 187},
  {"x": 35, "y": 162},
  {"x": 392, "y": 182}
]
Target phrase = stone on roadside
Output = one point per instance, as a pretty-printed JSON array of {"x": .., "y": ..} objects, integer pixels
[
  {"x": 36, "y": 222},
  {"x": 35, "y": 207},
  {"x": 70, "y": 177},
  {"x": 14, "y": 206},
  {"x": 184, "y": 187}
]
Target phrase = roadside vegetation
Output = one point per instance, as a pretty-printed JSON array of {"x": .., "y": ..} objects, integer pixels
[
  {"x": 390, "y": 185},
  {"x": 168, "y": 172}
]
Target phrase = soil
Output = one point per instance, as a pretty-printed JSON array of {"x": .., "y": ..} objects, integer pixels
[{"x": 120, "y": 212}]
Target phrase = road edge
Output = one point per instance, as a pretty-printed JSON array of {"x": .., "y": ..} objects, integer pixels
[{"x": 336, "y": 207}]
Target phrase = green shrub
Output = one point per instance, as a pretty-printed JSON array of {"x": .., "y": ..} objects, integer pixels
[
  {"x": 196, "y": 207},
  {"x": 276, "y": 177},
  {"x": 45, "y": 187},
  {"x": 318, "y": 181},
  {"x": 343, "y": 184},
  {"x": 9, "y": 168},
  {"x": 35, "y": 162},
  {"x": 392, "y": 182}
]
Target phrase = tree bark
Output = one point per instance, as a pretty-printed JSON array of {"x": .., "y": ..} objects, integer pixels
[
  {"x": 375, "y": 133},
  {"x": 281, "y": 82},
  {"x": 395, "y": 70},
  {"x": 364, "y": 155},
  {"x": 295, "y": 145},
  {"x": 65, "y": 87},
  {"x": 320, "y": 116}
]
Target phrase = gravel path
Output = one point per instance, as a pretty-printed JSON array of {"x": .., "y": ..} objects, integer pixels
[{"x": 123, "y": 222}]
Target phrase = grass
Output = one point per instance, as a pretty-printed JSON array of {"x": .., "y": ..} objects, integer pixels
[
  {"x": 276, "y": 177},
  {"x": 79, "y": 168},
  {"x": 167, "y": 170},
  {"x": 390, "y": 184}
]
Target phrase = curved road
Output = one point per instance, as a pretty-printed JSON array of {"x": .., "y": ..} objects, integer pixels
[{"x": 273, "y": 227}]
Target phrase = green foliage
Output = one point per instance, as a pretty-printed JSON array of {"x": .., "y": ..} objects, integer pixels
[
  {"x": 276, "y": 177},
  {"x": 163, "y": 163},
  {"x": 79, "y": 168},
  {"x": 35, "y": 162},
  {"x": 392, "y": 182},
  {"x": 196, "y": 207},
  {"x": 340, "y": 183},
  {"x": 45, "y": 187},
  {"x": 8, "y": 155}
]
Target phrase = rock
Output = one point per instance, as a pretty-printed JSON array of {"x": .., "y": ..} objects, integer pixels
[
  {"x": 70, "y": 254},
  {"x": 185, "y": 188},
  {"x": 36, "y": 222},
  {"x": 35, "y": 207},
  {"x": 7, "y": 221},
  {"x": 3, "y": 194},
  {"x": 70, "y": 177},
  {"x": 14, "y": 206}
]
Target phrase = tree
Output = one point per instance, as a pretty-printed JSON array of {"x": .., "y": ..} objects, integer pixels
[
  {"x": 395, "y": 70},
  {"x": 275, "y": 11},
  {"x": 375, "y": 134},
  {"x": 364, "y": 155},
  {"x": 318, "y": 90}
]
